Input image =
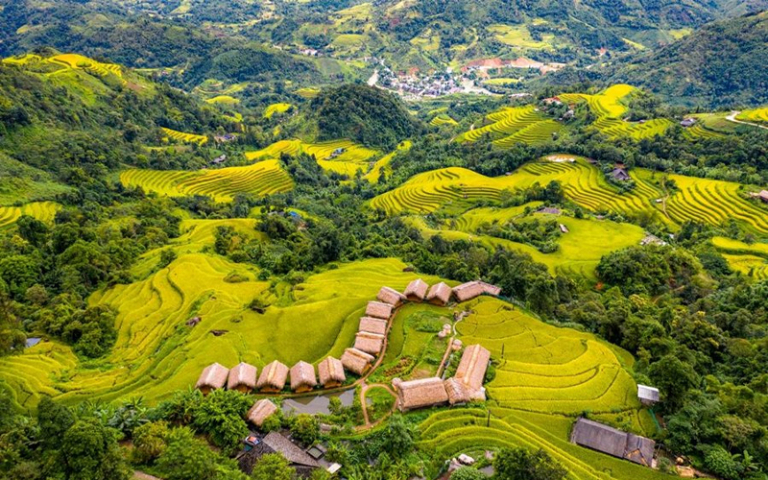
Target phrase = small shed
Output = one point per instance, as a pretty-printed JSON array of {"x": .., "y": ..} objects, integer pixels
[
  {"x": 468, "y": 291},
  {"x": 378, "y": 310},
  {"x": 356, "y": 361},
  {"x": 648, "y": 396},
  {"x": 472, "y": 367},
  {"x": 439, "y": 294},
  {"x": 688, "y": 122},
  {"x": 331, "y": 372},
  {"x": 242, "y": 378},
  {"x": 214, "y": 376},
  {"x": 390, "y": 296},
  {"x": 416, "y": 291},
  {"x": 763, "y": 195},
  {"x": 372, "y": 325},
  {"x": 457, "y": 392},
  {"x": 425, "y": 392},
  {"x": 303, "y": 377},
  {"x": 369, "y": 342},
  {"x": 273, "y": 377},
  {"x": 620, "y": 175},
  {"x": 260, "y": 411}
]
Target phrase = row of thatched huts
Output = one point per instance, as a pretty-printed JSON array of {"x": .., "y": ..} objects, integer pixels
[{"x": 465, "y": 386}]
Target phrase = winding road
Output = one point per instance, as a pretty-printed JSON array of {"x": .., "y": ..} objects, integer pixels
[{"x": 734, "y": 114}]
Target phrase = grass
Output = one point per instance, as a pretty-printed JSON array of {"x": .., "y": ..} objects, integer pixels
[
  {"x": 714, "y": 122},
  {"x": 43, "y": 211},
  {"x": 278, "y": 108},
  {"x": 185, "y": 137},
  {"x": 518, "y": 36},
  {"x": 156, "y": 354},
  {"x": 512, "y": 125},
  {"x": 260, "y": 179}
]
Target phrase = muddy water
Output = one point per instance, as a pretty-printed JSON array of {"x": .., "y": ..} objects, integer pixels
[{"x": 317, "y": 403}]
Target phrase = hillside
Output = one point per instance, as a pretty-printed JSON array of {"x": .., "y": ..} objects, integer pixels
[{"x": 721, "y": 64}]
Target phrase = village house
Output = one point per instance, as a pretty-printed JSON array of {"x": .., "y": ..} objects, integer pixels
[
  {"x": 276, "y": 442},
  {"x": 331, "y": 372},
  {"x": 688, "y": 122},
  {"x": 303, "y": 377},
  {"x": 214, "y": 376},
  {"x": 356, "y": 361},
  {"x": 472, "y": 368},
  {"x": 391, "y": 296},
  {"x": 379, "y": 310},
  {"x": 273, "y": 377},
  {"x": 608, "y": 440},
  {"x": 372, "y": 325},
  {"x": 439, "y": 294},
  {"x": 242, "y": 378},
  {"x": 620, "y": 175},
  {"x": 468, "y": 291},
  {"x": 416, "y": 291},
  {"x": 371, "y": 343},
  {"x": 424, "y": 392},
  {"x": 260, "y": 411},
  {"x": 763, "y": 195}
]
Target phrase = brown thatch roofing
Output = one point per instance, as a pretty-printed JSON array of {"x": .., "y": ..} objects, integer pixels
[
  {"x": 214, "y": 376},
  {"x": 603, "y": 438},
  {"x": 470, "y": 290},
  {"x": 273, "y": 376},
  {"x": 439, "y": 294},
  {"x": 295, "y": 456},
  {"x": 303, "y": 375},
  {"x": 331, "y": 371},
  {"x": 260, "y": 411},
  {"x": 242, "y": 375},
  {"x": 425, "y": 392},
  {"x": 379, "y": 310},
  {"x": 356, "y": 361},
  {"x": 457, "y": 391},
  {"x": 416, "y": 290},
  {"x": 369, "y": 342},
  {"x": 472, "y": 367},
  {"x": 373, "y": 325},
  {"x": 390, "y": 296}
]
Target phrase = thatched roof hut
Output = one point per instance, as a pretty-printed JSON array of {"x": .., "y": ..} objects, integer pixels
[
  {"x": 260, "y": 411},
  {"x": 379, "y": 310},
  {"x": 439, "y": 294},
  {"x": 214, "y": 376},
  {"x": 425, "y": 392},
  {"x": 468, "y": 291},
  {"x": 331, "y": 372},
  {"x": 611, "y": 441},
  {"x": 372, "y": 325},
  {"x": 369, "y": 342},
  {"x": 242, "y": 377},
  {"x": 416, "y": 291},
  {"x": 390, "y": 296},
  {"x": 472, "y": 367},
  {"x": 356, "y": 361},
  {"x": 457, "y": 392},
  {"x": 275, "y": 442},
  {"x": 303, "y": 377},
  {"x": 273, "y": 377}
]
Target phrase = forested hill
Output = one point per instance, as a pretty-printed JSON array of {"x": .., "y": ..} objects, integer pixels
[{"x": 723, "y": 63}]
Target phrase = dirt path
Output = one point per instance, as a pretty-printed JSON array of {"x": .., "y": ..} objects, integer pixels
[
  {"x": 363, "y": 390},
  {"x": 445, "y": 356},
  {"x": 137, "y": 475},
  {"x": 732, "y": 118}
]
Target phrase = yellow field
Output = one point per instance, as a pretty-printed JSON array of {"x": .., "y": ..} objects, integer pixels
[
  {"x": 353, "y": 157},
  {"x": 759, "y": 115},
  {"x": 519, "y": 36},
  {"x": 441, "y": 120},
  {"x": 260, "y": 179},
  {"x": 382, "y": 165},
  {"x": 185, "y": 137},
  {"x": 748, "y": 259},
  {"x": 276, "y": 108},
  {"x": 223, "y": 100},
  {"x": 512, "y": 125},
  {"x": 308, "y": 92},
  {"x": 43, "y": 211}
]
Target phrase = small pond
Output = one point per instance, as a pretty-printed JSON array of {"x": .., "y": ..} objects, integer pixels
[{"x": 317, "y": 403}]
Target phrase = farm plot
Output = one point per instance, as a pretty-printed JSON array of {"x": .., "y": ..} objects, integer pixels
[
  {"x": 308, "y": 92},
  {"x": 441, "y": 120},
  {"x": 757, "y": 115},
  {"x": 185, "y": 137},
  {"x": 748, "y": 259},
  {"x": 382, "y": 165},
  {"x": 261, "y": 179},
  {"x": 43, "y": 211},
  {"x": 512, "y": 125},
  {"x": 278, "y": 108},
  {"x": 74, "y": 61},
  {"x": 157, "y": 354},
  {"x": 340, "y": 156}
]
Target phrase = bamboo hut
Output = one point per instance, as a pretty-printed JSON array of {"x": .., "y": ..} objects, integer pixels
[
  {"x": 242, "y": 378},
  {"x": 468, "y": 291},
  {"x": 372, "y": 325},
  {"x": 439, "y": 294},
  {"x": 457, "y": 392},
  {"x": 390, "y": 296},
  {"x": 331, "y": 372},
  {"x": 425, "y": 392},
  {"x": 369, "y": 342},
  {"x": 303, "y": 377},
  {"x": 273, "y": 377},
  {"x": 379, "y": 310},
  {"x": 356, "y": 361},
  {"x": 416, "y": 291},
  {"x": 214, "y": 376},
  {"x": 472, "y": 368},
  {"x": 260, "y": 411}
]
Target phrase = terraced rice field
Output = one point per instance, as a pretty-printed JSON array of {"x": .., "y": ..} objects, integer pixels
[
  {"x": 441, "y": 120},
  {"x": 748, "y": 259},
  {"x": 43, "y": 211},
  {"x": 276, "y": 108},
  {"x": 156, "y": 354},
  {"x": 700, "y": 131},
  {"x": 757, "y": 115},
  {"x": 349, "y": 161},
  {"x": 512, "y": 125},
  {"x": 223, "y": 100},
  {"x": 518, "y": 36},
  {"x": 308, "y": 92},
  {"x": 382, "y": 165},
  {"x": 261, "y": 179},
  {"x": 93, "y": 67},
  {"x": 609, "y": 109},
  {"x": 185, "y": 137}
]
